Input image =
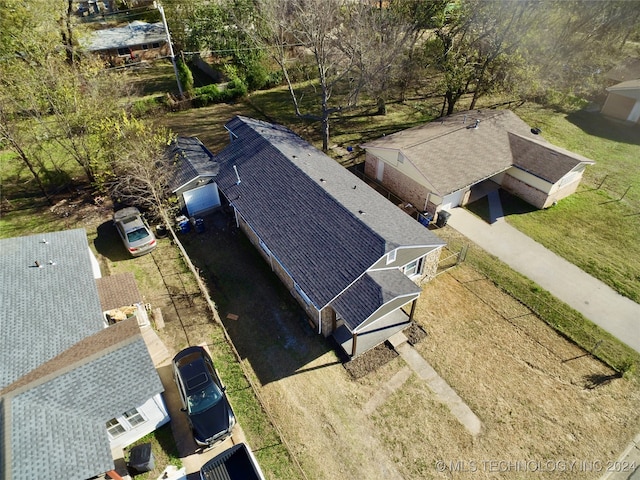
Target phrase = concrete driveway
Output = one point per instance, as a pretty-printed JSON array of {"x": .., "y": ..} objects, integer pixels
[{"x": 596, "y": 301}]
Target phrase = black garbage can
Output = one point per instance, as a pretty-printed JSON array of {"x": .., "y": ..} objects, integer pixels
[
  {"x": 443, "y": 218},
  {"x": 141, "y": 458}
]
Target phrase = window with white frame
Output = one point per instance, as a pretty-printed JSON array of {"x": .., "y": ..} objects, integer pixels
[
  {"x": 134, "y": 417},
  {"x": 391, "y": 256},
  {"x": 127, "y": 421},
  {"x": 414, "y": 268},
  {"x": 114, "y": 428}
]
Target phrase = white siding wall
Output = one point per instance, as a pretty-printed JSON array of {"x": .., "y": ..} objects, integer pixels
[{"x": 155, "y": 415}]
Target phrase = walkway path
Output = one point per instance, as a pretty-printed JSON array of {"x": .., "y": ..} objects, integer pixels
[
  {"x": 596, "y": 301},
  {"x": 438, "y": 386}
]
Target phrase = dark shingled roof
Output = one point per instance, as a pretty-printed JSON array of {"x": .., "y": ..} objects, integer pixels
[
  {"x": 192, "y": 160},
  {"x": 322, "y": 223},
  {"x": 370, "y": 292}
]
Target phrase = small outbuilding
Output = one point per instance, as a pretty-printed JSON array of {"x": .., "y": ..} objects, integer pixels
[{"x": 194, "y": 174}]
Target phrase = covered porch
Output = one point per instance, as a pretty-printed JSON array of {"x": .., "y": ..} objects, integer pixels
[{"x": 357, "y": 343}]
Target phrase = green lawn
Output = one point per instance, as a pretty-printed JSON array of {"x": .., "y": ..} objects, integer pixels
[{"x": 593, "y": 228}]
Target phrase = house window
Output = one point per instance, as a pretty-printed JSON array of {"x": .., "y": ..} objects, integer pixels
[
  {"x": 134, "y": 417},
  {"x": 124, "y": 51},
  {"x": 414, "y": 268},
  {"x": 114, "y": 428},
  {"x": 145, "y": 46},
  {"x": 391, "y": 257},
  {"x": 155, "y": 45}
]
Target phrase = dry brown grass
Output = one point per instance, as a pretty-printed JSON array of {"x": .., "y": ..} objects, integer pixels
[{"x": 540, "y": 398}]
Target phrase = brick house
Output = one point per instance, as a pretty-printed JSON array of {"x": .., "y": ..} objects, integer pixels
[{"x": 457, "y": 159}]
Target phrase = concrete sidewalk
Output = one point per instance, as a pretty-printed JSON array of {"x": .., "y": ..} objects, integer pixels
[{"x": 596, "y": 301}]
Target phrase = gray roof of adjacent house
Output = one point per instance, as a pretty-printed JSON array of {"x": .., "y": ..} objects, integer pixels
[
  {"x": 324, "y": 225},
  {"x": 52, "y": 421},
  {"x": 465, "y": 148},
  {"x": 135, "y": 33},
  {"x": 63, "y": 374},
  {"x": 192, "y": 160},
  {"x": 47, "y": 309}
]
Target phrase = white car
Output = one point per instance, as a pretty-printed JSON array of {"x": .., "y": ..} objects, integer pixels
[{"x": 136, "y": 235}]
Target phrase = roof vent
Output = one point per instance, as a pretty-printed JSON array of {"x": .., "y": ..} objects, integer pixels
[
  {"x": 323, "y": 180},
  {"x": 52, "y": 263},
  {"x": 362, "y": 212},
  {"x": 536, "y": 131},
  {"x": 36, "y": 264},
  {"x": 355, "y": 186},
  {"x": 45, "y": 241}
]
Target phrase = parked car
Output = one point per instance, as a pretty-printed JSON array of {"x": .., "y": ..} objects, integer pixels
[
  {"x": 203, "y": 396},
  {"x": 235, "y": 463},
  {"x": 136, "y": 235}
]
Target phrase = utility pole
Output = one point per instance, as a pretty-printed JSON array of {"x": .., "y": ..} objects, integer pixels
[{"x": 171, "y": 54}]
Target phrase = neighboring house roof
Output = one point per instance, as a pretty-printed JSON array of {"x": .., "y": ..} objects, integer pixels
[
  {"x": 462, "y": 149},
  {"x": 135, "y": 33},
  {"x": 324, "y": 225},
  {"x": 630, "y": 88},
  {"x": 44, "y": 310},
  {"x": 192, "y": 160},
  {"x": 54, "y": 418},
  {"x": 628, "y": 69},
  {"x": 542, "y": 159},
  {"x": 63, "y": 375},
  {"x": 118, "y": 290}
]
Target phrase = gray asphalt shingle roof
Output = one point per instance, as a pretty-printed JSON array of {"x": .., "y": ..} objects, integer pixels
[
  {"x": 56, "y": 423},
  {"x": 325, "y": 225},
  {"x": 192, "y": 159},
  {"x": 452, "y": 154},
  {"x": 63, "y": 374},
  {"x": 44, "y": 310}
]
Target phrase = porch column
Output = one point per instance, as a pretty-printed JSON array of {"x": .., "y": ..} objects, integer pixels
[
  {"x": 413, "y": 309},
  {"x": 354, "y": 337}
]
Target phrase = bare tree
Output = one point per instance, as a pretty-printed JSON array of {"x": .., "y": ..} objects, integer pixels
[
  {"x": 312, "y": 28},
  {"x": 140, "y": 171}
]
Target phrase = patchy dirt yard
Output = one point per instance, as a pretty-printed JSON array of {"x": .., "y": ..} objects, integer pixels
[
  {"x": 539, "y": 397},
  {"x": 543, "y": 402}
]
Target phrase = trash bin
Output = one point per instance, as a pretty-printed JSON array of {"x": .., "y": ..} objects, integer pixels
[
  {"x": 425, "y": 219},
  {"x": 199, "y": 225},
  {"x": 183, "y": 224},
  {"x": 141, "y": 458},
  {"x": 443, "y": 218}
]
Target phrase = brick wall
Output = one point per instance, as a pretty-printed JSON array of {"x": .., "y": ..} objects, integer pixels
[{"x": 397, "y": 182}]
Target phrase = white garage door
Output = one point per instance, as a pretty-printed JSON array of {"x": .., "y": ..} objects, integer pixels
[
  {"x": 452, "y": 200},
  {"x": 201, "y": 199}
]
